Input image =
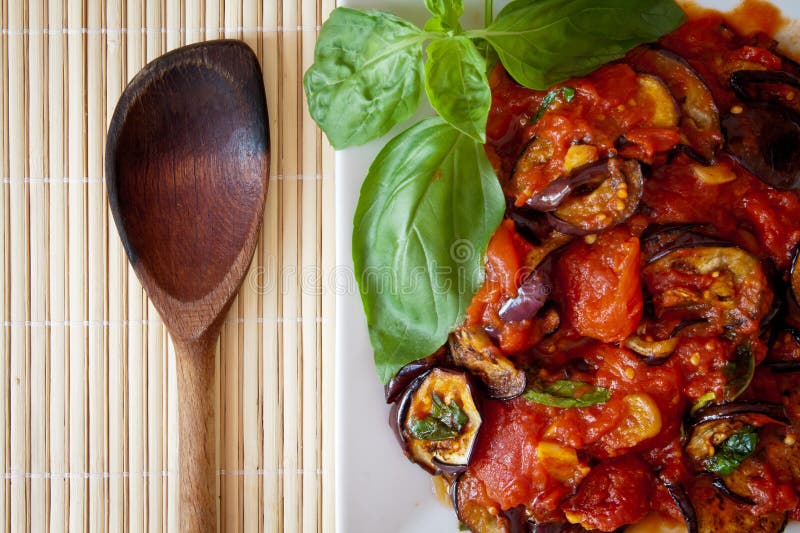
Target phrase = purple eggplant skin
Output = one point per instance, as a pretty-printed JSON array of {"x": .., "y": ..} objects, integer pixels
[
  {"x": 570, "y": 229},
  {"x": 794, "y": 276},
  {"x": 764, "y": 139},
  {"x": 614, "y": 170},
  {"x": 783, "y": 367},
  {"x": 529, "y": 223},
  {"x": 555, "y": 527},
  {"x": 719, "y": 484},
  {"x": 699, "y": 113},
  {"x": 398, "y": 384},
  {"x": 718, "y": 514},
  {"x": 558, "y": 190},
  {"x": 772, "y": 411},
  {"x": 665, "y": 239},
  {"x": 681, "y": 499},
  {"x": 639, "y": 346},
  {"x": 531, "y": 296},
  {"x": 691, "y": 153},
  {"x": 400, "y": 410},
  {"x": 513, "y": 520},
  {"x": 479, "y": 519},
  {"x": 766, "y": 86}
]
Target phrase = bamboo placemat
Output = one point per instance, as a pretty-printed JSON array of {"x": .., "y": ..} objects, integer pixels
[{"x": 88, "y": 401}]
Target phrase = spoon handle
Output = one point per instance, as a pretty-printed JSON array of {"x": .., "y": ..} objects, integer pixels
[{"x": 197, "y": 439}]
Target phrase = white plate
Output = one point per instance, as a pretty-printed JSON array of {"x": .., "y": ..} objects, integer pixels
[{"x": 377, "y": 488}]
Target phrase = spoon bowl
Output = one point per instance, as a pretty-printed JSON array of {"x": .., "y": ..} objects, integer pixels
[{"x": 187, "y": 163}]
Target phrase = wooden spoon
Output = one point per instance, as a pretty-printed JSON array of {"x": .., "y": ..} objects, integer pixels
[{"x": 187, "y": 163}]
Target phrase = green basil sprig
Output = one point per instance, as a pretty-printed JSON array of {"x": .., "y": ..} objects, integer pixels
[
  {"x": 566, "y": 393},
  {"x": 567, "y": 93},
  {"x": 368, "y": 75},
  {"x": 544, "y": 42},
  {"x": 733, "y": 451},
  {"x": 739, "y": 371},
  {"x": 428, "y": 197},
  {"x": 445, "y": 421}
]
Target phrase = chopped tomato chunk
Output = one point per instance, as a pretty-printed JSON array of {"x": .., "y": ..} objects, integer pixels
[
  {"x": 616, "y": 492},
  {"x": 600, "y": 286}
]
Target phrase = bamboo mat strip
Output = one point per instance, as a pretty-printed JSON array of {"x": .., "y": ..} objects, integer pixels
[{"x": 88, "y": 402}]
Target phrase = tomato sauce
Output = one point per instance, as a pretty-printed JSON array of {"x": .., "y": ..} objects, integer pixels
[{"x": 665, "y": 341}]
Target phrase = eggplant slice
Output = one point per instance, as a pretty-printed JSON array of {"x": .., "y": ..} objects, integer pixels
[
  {"x": 776, "y": 86},
  {"x": 468, "y": 496},
  {"x": 715, "y": 426},
  {"x": 752, "y": 411},
  {"x": 406, "y": 375},
  {"x": 794, "y": 276},
  {"x": 717, "y": 513},
  {"x": 437, "y": 421},
  {"x": 593, "y": 197},
  {"x": 655, "y": 350},
  {"x": 659, "y": 240},
  {"x": 472, "y": 349},
  {"x": 468, "y": 493},
  {"x": 699, "y": 122},
  {"x": 728, "y": 287},
  {"x": 784, "y": 351},
  {"x": 681, "y": 498},
  {"x": 764, "y": 139}
]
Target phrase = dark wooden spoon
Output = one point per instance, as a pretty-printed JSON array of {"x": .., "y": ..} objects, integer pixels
[{"x": 187, "y": 163}]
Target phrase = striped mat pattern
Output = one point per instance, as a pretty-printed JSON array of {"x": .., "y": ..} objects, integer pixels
[{"x": 88, "y": 402}]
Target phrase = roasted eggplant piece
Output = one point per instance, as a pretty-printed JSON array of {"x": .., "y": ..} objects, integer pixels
[
  {"x": 554, "y": 527},
  {"x": 784, "y": 351},
  {"x": 781, "y": 452},
  {"x": 763, "y": 138},
  {"x": 653, "y": 90},
  {"x": 752, "y": 411},
  {"x": 681, "y": 498},
  {"x": 470, "y": 501},
  {"x": 654, "y": 350},
  {"x": 717, "y": 513},
  {"x": 794, "y": 276},
  {"x": 724, "y": 436},
  {"x": 529, "y": 223},
  {"x": 726, "y": 491},
  {"x": 472, "y": 349},
  {"x": 592, "y": 198},
  {"x": 405, "y": 376},
  {"x": 534, "y": 291},
  {"x": 537, "y": 151},
  {"x": 776, "y": 86},
  {"x": 746, "y": 485},
  {"x": 739, "y": 371},
  {"x": 659, "y": 240},
  {"x": 699, "y": 122},
  {"x": 723, "y": 284},
  {"x": 437, "y": 421},
  {"x": 531, "y": 296}
]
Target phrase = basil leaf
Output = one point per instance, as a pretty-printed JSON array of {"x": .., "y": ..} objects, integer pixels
[
  {"x": 427, "y": 208},
  {"x": 548, "y": 41},
  {"x": 446, "y": 14},
  {"x": 366, "y": 76},
  {"x": 568, "y": 93},
  {"x": 566, "y": 393},
  {"x": 739, "y": 371},
  {"x": 457, "y": 87},
  {"x": 733, "y": 451},
  {"x": 445, "y": 421}
]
